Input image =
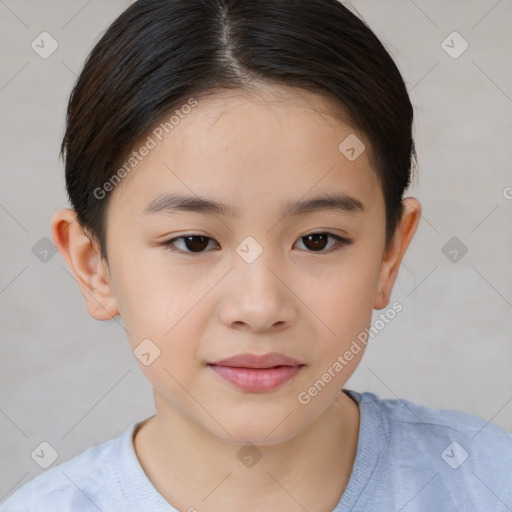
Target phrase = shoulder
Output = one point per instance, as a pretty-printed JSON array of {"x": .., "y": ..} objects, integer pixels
[
  {"x": 89, "y": 481},
  {"x": 465, "y": 455},
  {"x": 426, "y": 423}
]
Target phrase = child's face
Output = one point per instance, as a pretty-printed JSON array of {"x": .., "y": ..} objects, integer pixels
[{"x": 306, "y": 299}]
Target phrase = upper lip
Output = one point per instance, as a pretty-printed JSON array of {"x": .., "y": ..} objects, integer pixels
[{"x": 257, "y": 361}]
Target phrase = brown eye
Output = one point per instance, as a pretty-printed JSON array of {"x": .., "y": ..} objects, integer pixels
[
  {"x": 196, "y": 243},
  {"x": 317, "y": 242},
  {"x": 192, "y": 243}
]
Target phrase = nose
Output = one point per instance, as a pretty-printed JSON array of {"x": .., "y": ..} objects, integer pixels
[{"x": 257, "y": 296}]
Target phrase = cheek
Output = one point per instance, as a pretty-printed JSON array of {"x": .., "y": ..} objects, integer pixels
[
  {"x": 151, "y": 296},
  {"x": 344, "y": 305},
  {"x": 344, "y": 300},
  {"x": 168, "y": 357}
]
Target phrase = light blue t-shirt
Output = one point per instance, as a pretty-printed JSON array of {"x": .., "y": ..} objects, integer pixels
[{"x": 409, "y": 459}]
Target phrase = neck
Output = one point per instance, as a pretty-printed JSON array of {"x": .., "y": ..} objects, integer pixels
[{"x": 192, "y": 469}]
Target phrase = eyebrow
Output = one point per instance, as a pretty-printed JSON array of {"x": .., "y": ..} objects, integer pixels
[{"x": 173, "y": 203}]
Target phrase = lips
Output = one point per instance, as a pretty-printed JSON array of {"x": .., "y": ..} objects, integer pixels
[
  {"x": 257, "y": 373},
  {"x": 258, "y": 361}
]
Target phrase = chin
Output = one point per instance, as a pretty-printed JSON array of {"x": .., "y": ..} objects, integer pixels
[{"x": 258, "y": 430}]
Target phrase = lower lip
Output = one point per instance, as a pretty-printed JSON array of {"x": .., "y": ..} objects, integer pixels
[{"x": 256, "y": 379}]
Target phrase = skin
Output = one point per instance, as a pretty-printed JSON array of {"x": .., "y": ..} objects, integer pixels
[{"x": 252, "y": 152}]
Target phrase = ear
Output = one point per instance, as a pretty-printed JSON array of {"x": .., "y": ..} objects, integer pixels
[
  {"x": 83, "y": 259},
  {"x": 393, "y": 256}
]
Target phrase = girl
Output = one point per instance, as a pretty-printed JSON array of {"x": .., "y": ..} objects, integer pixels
[{"x": 236, "y": 170}]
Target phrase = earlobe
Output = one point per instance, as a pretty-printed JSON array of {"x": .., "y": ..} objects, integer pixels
[
  {"x": 393, "y": 256},
  {"x": 85, "y": 264}
]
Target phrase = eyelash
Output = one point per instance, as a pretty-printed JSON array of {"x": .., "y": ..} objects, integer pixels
[{"x": 340, "y": 242}]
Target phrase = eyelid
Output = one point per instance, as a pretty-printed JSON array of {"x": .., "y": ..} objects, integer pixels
[{"x": 342, "y": 241}]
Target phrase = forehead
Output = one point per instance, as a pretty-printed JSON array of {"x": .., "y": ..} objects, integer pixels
[{"x": 248, "y": 149}]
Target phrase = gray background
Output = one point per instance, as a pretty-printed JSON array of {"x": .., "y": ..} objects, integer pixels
[{"x": 72, "y": 381}]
